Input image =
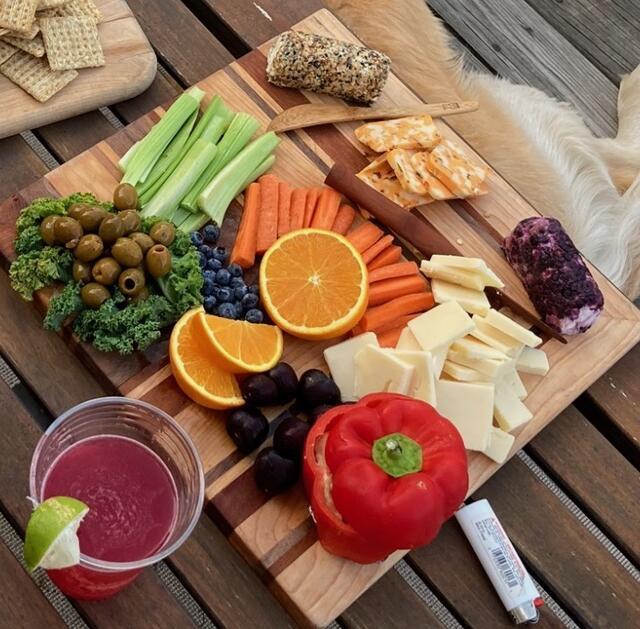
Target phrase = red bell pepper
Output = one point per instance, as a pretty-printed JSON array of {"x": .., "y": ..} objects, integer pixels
[{"x": 382, "y": 475}]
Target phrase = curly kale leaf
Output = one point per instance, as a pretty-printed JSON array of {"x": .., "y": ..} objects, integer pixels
[
  {"x": 28, "y": 240},
  {"x": 33, "y": 214},
  {"x": 182, "y": 244},
  {"x": 37, "y": 269},
  {"x": 85, "y": 197},
  {"x": 183, "y": 285},
  {"x": 62, "y": 306}
]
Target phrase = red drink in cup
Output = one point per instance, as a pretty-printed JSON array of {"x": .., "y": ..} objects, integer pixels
[{"x": 141, "y": 477}]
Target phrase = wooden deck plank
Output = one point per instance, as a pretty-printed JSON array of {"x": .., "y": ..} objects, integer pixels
[
  {"x": 521, "y": 45},
  {"x": 19, "y": 165}
]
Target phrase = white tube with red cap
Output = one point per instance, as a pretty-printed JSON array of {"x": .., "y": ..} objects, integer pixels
[{"x": 500, "y": 561}]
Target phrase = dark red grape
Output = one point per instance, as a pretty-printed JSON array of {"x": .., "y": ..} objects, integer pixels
[
  {"x": 288, "y": 439},
  {"x": 259, "y": 390},
  {"x": 317, "y": 388},
  {"x": 247, "y": 427},
  {"x": 286, "y": 380},
  {"x": 274, "y": 473}
]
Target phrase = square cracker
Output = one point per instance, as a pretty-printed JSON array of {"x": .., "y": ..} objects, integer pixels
[
  {"x": 35, "y": 76},
  {"x": 72, "y": 42},
  {"x": 33, "y": 46},
  {"x": 74, "y": 8},
  {"x": 6, "y": 51},
  {"x": 30, "y": 34},
  {"x": 50, "y": 4},
  {"x": 17, "y": 15}
]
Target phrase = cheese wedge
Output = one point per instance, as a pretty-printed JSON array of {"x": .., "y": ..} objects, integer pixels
[
  {"x": 473, "y": 301},
  {"x": 434, "y": 187},
  {"x": 509, "y": 411},
  {"x": 500, "y": 444},
  {"x": 492, "y": 369},
  {"x": 453, "y": 275},
  {"x": 423, "y": 384},
  {"x": 378, "y": 370},
  {"x": 476, "y": 265},
  {"x": 408, "y": 341},
  {"x": 533, "y": 361},
  {"x": 462, "y": 373},
  {"x": 495, "y": 338},
  {"x": 400, "y": 161},
  {"x": 513, "y": 329},
  {"x": 474, "y": 349},
  {"x": 412, "y": 132},
  {"x": 340, "y": 359},
  {"x": 439, "y": 327},
  {"x": 469, "y": 407},
  {"x": 450, "y": 165},
  {"x": 514, "y": 382}
]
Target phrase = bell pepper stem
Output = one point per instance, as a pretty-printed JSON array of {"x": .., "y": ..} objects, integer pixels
[{"x": 397, "y": 455}]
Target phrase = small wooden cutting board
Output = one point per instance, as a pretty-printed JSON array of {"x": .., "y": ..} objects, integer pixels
[{"x": 130, "y": 68}]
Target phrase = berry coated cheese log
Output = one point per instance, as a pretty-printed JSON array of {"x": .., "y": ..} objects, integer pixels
[
  {"x": 554, "y": 274},
  {"x": 321, "y": 64}
]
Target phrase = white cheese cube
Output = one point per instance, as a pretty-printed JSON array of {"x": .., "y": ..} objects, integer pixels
[
  {"x": 340, "y": 359},
  {"x": 533, "y": 361},
  {"x": 423, "y": 384},
  {"x": 513, "y": 381},
  {"x": 439, "y": 327},
  {"x": 462, "y": 373},
  {"x": 510, "y": 327},
  {"x": 408, "y": 341},
  {"x": 469, "y": 407},
  {"x": 378, "y": 370},
  {"x": 495, "y": 338},
  {"x": 509, "y": 411},
  {"x": 500, "y": 443},
  {"x": 462, "y": 277},
  {"x": 493, "y": 369},
  {"x": 439, "y": 356},
  {"x": 475, "y": 349},
  {"x": 473, "y": 301}
]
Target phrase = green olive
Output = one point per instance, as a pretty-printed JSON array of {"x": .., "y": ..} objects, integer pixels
[
  {"x": 47, "y": 229},
  {"x": 131, "y": 282},
  {"x": 81, "y": 271},
  {"x": 89, "y": 247},
  {"x": 92, "y": 217},
  {"x": 164, "y": 233},
  {"x": 127, "y": 252},
  {"x": 125, "y": 197},
  {"x": 94, "y": 295},
  {"x": 130, "y": 219},
  {"x": 106, "y": 271},
  {"x": 141, "y": 295},
  {"x": 76, "y": 210},
  {"x": 158, "y": 261},
  {"x": 111, "y": 228},
  {"x": 144, "y": 241},
  {"x": 67, "y": 231}
]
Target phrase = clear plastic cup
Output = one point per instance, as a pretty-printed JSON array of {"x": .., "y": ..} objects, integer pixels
[{"x": 93, "y": 578}]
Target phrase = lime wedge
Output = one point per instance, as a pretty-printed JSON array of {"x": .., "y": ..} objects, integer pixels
[{"x": 51, "y": 540}]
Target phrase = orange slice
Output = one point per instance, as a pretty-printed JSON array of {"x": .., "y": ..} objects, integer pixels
[
  {"x": 240, "y": 346},
  {"x": 195, "y": 369},
  {"x": 313, "y": 284}
]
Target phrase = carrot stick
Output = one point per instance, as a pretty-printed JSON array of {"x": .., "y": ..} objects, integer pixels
[
  {"x": 296, "y": 211},
  {"x": 400, "y": 269},
  {"x": 364, "y": 235},
  {"x": 389, "y": 338},
  {"x": 327, "y": 209},
  {"x": 344, "y": 219},
  {"x": 268, "y": 221},
  {"x": 376, "y": 317},
  {"x": 284, "y": 208},
  {"x": 385, "y": 291},
  {"x": 400, "y": 321},
  {"x": 244, "y": 248},
  {"x": 377, "y": 248},
  {"x": 310, "y": 206},
  {"x": 389, "y": 256}
]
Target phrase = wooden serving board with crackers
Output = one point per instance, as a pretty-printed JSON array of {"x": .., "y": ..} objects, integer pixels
[
  {"x": 61, "y": 58},
  {"x": 314, "y": 327}
]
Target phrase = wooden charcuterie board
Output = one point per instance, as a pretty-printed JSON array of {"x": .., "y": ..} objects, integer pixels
[
  {"x": 277, "y": 535},
  {"x": 129, "y": 69}
]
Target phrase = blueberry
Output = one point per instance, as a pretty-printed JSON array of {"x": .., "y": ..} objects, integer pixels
[
  {"x": 208, "y": 274},
  {"x": 213, "y": 264},
  {"x": 225, "y": 294},
  {"x": 250, "y": 301},
  {"x": 206, "y": 250},
  {"x": 227, "y": 311},
  {"x": 207, "y": 286},
  {"x": 254, "y": 316},
  {"x": 209, "y": 304},
  {"x": 254, "y": 289},
  {"x": 202, "y": 260},
  {"x": 240, "y": 291},
  {"x": 196, "y": 238},
  {"x": 211, "y": 233},
  {"x": 236, "y": 281},
  {"x": 235, "y": 270},
  {"x": 239, "y": 309},
  {"x": 220, "y": 253},
  {"x": 223, "y": 277}
]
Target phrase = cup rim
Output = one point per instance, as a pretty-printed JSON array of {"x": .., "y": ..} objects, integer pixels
[{"x": 119, "y": 566}]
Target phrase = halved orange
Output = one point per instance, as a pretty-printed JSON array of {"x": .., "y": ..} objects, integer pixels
[
  {"x": 240, "y": 346},
  {"x": 313, "y": 284},
  {"x": 195, "y": 369}
]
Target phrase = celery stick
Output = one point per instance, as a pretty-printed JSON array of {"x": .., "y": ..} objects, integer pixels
[
  {"x": 126, "y": 158},
  {"x": 179, "y": 216},
  {"x": 166, "y": 200},
  {"x": 237, "y": 136},
  {"x": 216, "y": 197},
  {"x": 159, "y": 137}
]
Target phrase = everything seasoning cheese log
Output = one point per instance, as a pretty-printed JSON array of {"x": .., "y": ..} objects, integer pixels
[{"x": 322, "y": 64}]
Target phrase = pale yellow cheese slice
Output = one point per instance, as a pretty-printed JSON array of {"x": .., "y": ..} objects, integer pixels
[
  {"x": 474, "y": 349},
  {"x": 450, "y": 165},
  {"x": 514, "y": 382},
  {"x": 513, "y": 329},
  {"x": 495, "y": 338},
  {"x": 509, "y": 411},
  {"x": 423, "y": 384},
  {"x": 413, "y": 132},
  {"x": 408, "y": 341},
  {"x": 378, "y": 370},
  {"x": 473, "y": 301},
  {"x": 500, "y": 444},
  {"x": 463, "y": 373},
  {"x": 533, "y": 361},
  {"x": 453, "y": 275},
  {"x": 493, "y": 369},
  {"x": 439, "y": 327},
  {"x": 470, "y": 265}
]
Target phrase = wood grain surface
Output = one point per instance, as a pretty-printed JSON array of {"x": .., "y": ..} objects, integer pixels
[{"x": 129, "y": 69}]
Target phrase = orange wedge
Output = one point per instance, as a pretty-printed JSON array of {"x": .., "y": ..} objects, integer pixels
[
  {"x": 313, "y": 284},
  {"x": 195, "y": 368},
  {"x": 240, "y": 346}
]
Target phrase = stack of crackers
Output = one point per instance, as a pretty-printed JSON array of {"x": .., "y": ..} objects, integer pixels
[
  {"x": 44, "y": 42},
  {"x": 418, "y": 166}
]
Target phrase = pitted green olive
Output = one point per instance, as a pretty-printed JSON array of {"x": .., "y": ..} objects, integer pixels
[
  {"x": 131, "y": 282},
  {"x": 125, "y": 197},
  {"x": 47, "y": 229},
  {"x": 111, "y": 228},
  {"x": 67, "y": 231},
  {"x": 106, "y": 271},
  {"x": 81, "y": 271},
  {"x": 130, "y": 220},
  {"x": 144, "y": 241},
  {"x": 164, "y": 233},
  {"x": 158, "y": 261},
  {"x": 77, "y": 210},
  {"x": 127, "y": 252},
  {"x": 94, "y": 295},
  {"x": 89, "y": 247},
  {"x": 92, "y": 217}
]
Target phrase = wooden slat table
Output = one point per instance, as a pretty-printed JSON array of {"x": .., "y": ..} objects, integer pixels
[{"x": 569, "y": 501}]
